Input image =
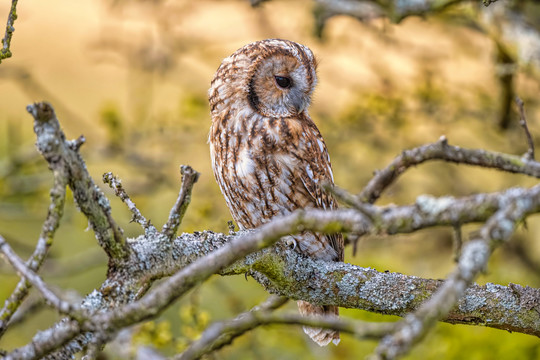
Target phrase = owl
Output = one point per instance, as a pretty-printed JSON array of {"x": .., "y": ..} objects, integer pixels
[{"x": 268, "y": 157}]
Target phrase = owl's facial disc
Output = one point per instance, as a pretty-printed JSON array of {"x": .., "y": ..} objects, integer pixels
[{"x": 281, "y": 86}]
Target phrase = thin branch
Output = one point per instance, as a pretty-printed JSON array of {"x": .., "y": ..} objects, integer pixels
[
  {"x": 52, "y": 144},
  {"x": 5, "y": 52},
  {"x": 457, "y": 242},
  {"x": 441, "y": 150},
  {"x": 360, "y": 10},
  {"x": 48, "y": 229},
  {"x": 52, "y": 299},
  {"x": 27, "y": 310},
  {"x": 116, "y": 184},
  {"x": 189, "y": 178},
  {"x": 223, "y": 333},
  {"x": 529, "y": 155}
]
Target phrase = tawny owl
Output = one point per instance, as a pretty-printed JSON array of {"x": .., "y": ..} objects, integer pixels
[{"x": 268, "y": 156}]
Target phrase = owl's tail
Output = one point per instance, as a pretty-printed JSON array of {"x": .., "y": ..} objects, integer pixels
[{"x": 321, "y": 336}]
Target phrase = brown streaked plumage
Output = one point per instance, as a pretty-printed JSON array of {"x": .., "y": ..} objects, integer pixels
[{"x": 268, "y": 156}]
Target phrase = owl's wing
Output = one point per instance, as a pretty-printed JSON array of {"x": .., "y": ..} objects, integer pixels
[{"x": 309, "y": 170}]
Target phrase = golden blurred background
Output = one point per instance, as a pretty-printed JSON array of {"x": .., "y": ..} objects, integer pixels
[{"x": 132, "y": 77}]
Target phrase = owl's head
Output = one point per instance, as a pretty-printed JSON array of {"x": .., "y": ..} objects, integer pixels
[{"x": 275, "y": 77}]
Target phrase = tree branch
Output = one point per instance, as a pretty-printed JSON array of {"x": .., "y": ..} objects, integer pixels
[
  {"x": 52, "y": 144},
  {"x": 62, "y": 306},
  {"x": 472, "y": 261},
  {"x": 529, "y": 155},
  {"x": 288, "y": 274},
  {"x": 116, "y": 184},
  {"x": 223, "y": 333},
  {"x": 5, "y": 52},
  {"x": 364, "y": 10},
  {"x": 51, "y": 223},
  {"x": 441, "y": 150},
  {"x": 189, "y": 178}
]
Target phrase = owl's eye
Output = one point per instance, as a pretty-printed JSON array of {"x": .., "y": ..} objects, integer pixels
[{"x": 283, "y": 82}]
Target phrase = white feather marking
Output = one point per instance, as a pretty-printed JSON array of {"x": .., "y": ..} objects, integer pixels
[
  {"x": 272, "y": 131},
  {"x": 321, "y": 145},
  {"x": 330, "y": 171},
  {"x": 244, "y": 165}
]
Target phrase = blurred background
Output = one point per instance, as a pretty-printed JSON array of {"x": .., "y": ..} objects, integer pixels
[{"x": 132, "y": 76}]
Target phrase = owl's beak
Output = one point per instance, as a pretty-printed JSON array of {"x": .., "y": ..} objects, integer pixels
[{"x": 297, "y": 101}]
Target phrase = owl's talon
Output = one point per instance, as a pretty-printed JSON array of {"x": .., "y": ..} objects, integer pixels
[{"x": 291, "y": 243}]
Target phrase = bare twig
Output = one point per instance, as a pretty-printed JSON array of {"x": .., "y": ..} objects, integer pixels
[
  {"x": 116, "y": 184},
  {"x": 52, "y": 144},
  {"x": 189, "y": 178},
  {"x": 5, "y": 52},
  {"x": 457, "y": 242},
  {"x": 441, "y": 150},
  {"x": 62, "y": 306},
  {"x": 529, "y": 155},
  {"x": 51, "y": 223},
  {"x": 28, "y": 309}
]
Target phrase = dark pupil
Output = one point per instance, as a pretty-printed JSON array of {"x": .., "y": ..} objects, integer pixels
[{"x": 283, "y": 82}]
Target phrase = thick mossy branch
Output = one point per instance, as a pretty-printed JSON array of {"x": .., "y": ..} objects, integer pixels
[{"x": 350, "y": 286}]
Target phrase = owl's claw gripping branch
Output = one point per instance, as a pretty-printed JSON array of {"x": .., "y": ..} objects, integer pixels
[{"x": 52, "y": 144}]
